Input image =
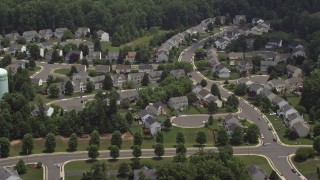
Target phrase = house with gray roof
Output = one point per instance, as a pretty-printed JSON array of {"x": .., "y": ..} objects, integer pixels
[
  {"x": 278, "y": 84},
  {"x": 282, "y": 57},
  {"x": 30, "y": 35},
  {"x": 97, "y": 81},
  {"x": 90, "y": 45},
  {"x": 238, "y": 19},
  {"x": 231, "y": 122},
  {"x": 177, "y": 73},
  {"x": 9, "y": 173},
  {"x": 113, "y": 56},
  {"x": 58, "y": 33},
  {"x": 121, "y": 68},
  {"x": 118, "y": 80},
  {"x": 299, "y": 52},
  {"x": 245, "y": 81},
  {"x": 155, "y": 76},
  {"x": 256, "y": 173},
  {"x": 156, "y": 108},
  {"x": 255, "y": 89},
  {"x": 93, "y": 55},
  {"x": 102, "y": 68},
  {"x": 136, "y": 78},
  {"x": 268, "y": 94},
  {"x": 152, "y": 125},
  {"x": 13, "y": 37},
  {"x": 82, "y": 31},
  {"x": 293, "y": 71},
  {"x": 302, "y": 129},
  {"x": 45, "y": 33},
  {"x": 146, "y": 172},
  {"x": 222, "y": 71},
  {"x": 286, "y": 110},
  {"x": 293, "y": 84},
  {"x": 278, "y": 101},
  {"x": 73, "y": 56},
  {"x": 103, "y": 36},
  {"x": 244, "y": 65},
  {"x": 293, "y": 119},
  {"x": 163, "y": 54},
  {"x": 178, "y": 102},
  {"x": 130, "y": 96},
  {"x": 145, "y": 68},
  {"x": 144, "y": 114},
  {"x": 266, "y": 64},
  {"x": 273, "y": 43}
]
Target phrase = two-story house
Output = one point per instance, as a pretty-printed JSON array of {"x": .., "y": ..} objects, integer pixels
[
  {"x": 264, "y": 65},
  {"x": 58, "y": 33},
  {"x": 103, "y": 36},
  {"x": 45, "y": 33},
  {"x": 155, "y": 76},
  {"x": 230, "y": 123},
  {"x": 245, "y": 66},
  {"x": 136, "y": 78},
  {"x": 131, "y": 56},
  {"x": 156, "y": 108},
  {"x": 177, "y": 73},
  {"x": 30, "y": 35},
  {"x": 120, "y": 68},
  {"x": 238, "y": 19},
  {"x": 118, "y": 80},
  {"x": 286, "y": 110},
  {"x": 222, "y": 71},
  {"x": 293, "y": 71},
  {"x": 234, "y": 57},
  {"x": 278, "y": 84},
  {"x": 82, "y": 31},
  {"x": 178, "y": 102},
  {"x": 294, "y": 84}
]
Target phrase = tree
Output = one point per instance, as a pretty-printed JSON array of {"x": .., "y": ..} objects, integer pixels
[
  {"x": 27, "y": 144},
  {"x": 252, "y": 134},
  {"x": 303, "y": 153},
  {"x": 167, "y": 124},
  {"x": 203, "y": 83},
  {"x": 316, "y": 130},
  {"x": 222, "y": 138},
  {"x": 34, "y": 51},
  {"x": 159, "y": 137},
  {"x": 97, "y": 45},
  {"x": 145, "y": 80},
  {"x": 107, "y": 82},
  {"x": 201, "y": 138},
  {"x": 212, "y": 107},
  {"x": 232, "y": 102},
  {"x": 273, "y": 176},
  {"x": 98, "y": 170},
  {"x": 200, "y": 54},
  {"x": 180, "y": 138},
  {"x": 116, "y": 139},
  {"x": 93, "y": 151},
  {"x": 20, "y": 167},
  {"x": 181, "y": 149},
  {"x": 137, "y": 139},
  {"x": 237, "y": 136},
  {"x": 180, "y": 157},
  {"x": 129, "y": 118},
  {"x": 54, "y": 91},
  {"x": 32, "y": 64},
  {"x": 316, "y": 144},
  {"x": 215, "y": 91},
  {"x": 241, "y": 89},
  {"x": 210, "y": 26},
  {"x": 50, "y": 142},
  {"x": 73, "y": 70},
  {"x": 5, "y": 147},
  {"x": 84, "y": 49},
  {"x": 73, "y": 142},
  {"x": 90, "y": 87},
  {"x": 55, "y": 56},
  {"x": 210, "y": 120},
  {"x": 67, "y": 34},
  {"x": 68, "y": 88},
  {"x": 136, "y": 151},
  {"x": 273, "y": 75},
  {"x": 114, "y": 151},
  {"x": 159, "y": 150},
  {"x": 123, "y": 169},
  {"x": 95, "y": 139}
]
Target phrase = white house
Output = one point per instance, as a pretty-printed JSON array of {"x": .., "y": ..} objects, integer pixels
[
  {"x": 103, "y": 36},
  {"x": 222, "y": 71}
]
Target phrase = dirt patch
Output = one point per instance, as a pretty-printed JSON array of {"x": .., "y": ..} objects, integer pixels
[{"x": 15, "y": 142}]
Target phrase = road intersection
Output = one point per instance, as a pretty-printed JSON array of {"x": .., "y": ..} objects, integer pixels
[{"x": 276, "y": 152}]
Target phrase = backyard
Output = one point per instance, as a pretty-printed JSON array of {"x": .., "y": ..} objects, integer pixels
[{"x": 33, "y": 173}]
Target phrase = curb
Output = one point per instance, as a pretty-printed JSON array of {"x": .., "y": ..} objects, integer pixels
[{"x": 291, "y": 164}]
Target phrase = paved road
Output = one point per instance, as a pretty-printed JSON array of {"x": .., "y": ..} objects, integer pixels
[
  {"x": 276, "y": 152},
  {"x": 47, "y": 69}
]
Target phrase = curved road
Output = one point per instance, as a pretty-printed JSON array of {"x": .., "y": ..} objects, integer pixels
[{"x": 275, "y": 152}]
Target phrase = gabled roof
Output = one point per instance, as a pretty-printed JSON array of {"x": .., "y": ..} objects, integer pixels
[
  {"x": 122, "y": 67},
  {"x": 102, "y": 68},
  {"x": 144, "y": 113},
  {"x": 256, "y": 172},
  {"x": 292, "y": 68},
  {"x": 100, "y": 32},
  {"x": 276, "y": 82},
  {"x": 145, "y": 66}
]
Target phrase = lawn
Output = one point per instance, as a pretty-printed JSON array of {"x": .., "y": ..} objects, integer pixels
[
  {"x": 308, "y": 168},
  {"x": 257, "y": 160},
  {"x": 33, "y": 173},
  {"x": 293, "y": 100},
  {"x": 62, "y": 71},
  {"x": 108, "y": 45}
]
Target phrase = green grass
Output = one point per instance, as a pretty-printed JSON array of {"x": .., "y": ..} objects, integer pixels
[
  {"x": 257, "y": 160},
  {"x": 62, "y": 71},
  {"x": 294, "y": 100},
  {"x": 191, "y": 110},
  {"x": 309, "y": 167},
  {"x": 108, "y": 45},
  {"x": 33, "y": 173}
]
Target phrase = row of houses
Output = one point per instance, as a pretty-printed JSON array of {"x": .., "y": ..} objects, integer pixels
[
  {"x": 291, "y": 116},
  {"x": 220, "y": 70},
  {"x": 31, "y": 36},
  {"x": 164, "y": 50}
]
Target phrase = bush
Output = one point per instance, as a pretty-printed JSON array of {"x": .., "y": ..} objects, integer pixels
[
  {"x": 39, "y": 165},
  {"x": 304, "y": 153}
]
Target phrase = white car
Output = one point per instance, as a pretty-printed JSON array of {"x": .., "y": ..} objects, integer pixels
[
  {"x": 262, "y": 137},
  {"x": 271, "y": 114}
]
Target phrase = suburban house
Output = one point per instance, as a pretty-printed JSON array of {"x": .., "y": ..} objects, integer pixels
[
  {"x": 213, "y": 64},
  {"x": 103, "y": 36},
  {"x": 301, "y": 128},
  {"x": 178, "y": 102},
  {"x": 93, "y": 55},
  {"x": 9, "y": 173},
  {"x": 15, "y": 65},
  {"x": 255, "y": 89},
  {"x": 299, "y": 52},
  {"x": 268, "y": 94},
  {"x": 238, "y": 19},
  {"x": 286, "y": 110},
  {"x": 15, "y": 48},
  {"x": 296, "y": 48},
  {"x": 120, "y": 68},
  {"x": 90, "y": 45},
  {"x": 222, "y": 20},
  {"x": 118, "y": 80},
  {"x": 37, "y": 81},
  {"x": 45, "y": 33},
  {"x": 279, "y": 102},
  {"x": 113, "y": 56},
  {"x": 48, "y": 56},
  {"x": 222, "y": 71},
  {"x": 155, "y": 76},
  {"x": 130, "y": 96},
  {"x": 273, "y": 43},
  {"x": 82, "y": 31},
  {"x": 245, "y": 81},
  {"x": 73, "y": 56},
  {"x": 44, "y": 46},
  {"x": 234, "y": 57},
  {"x": 255, "y": 21},
  {"x": 278, "y": 84},
  {"x": 221, "y": 43},
  {"x": 293, "y": 71},
  {"x": 196, "y": 88},
  {"x": 79, "y": 81},
  {"x": 156, "y": 108},
  {"x": 136, "y": 78},
  {"x": 177, "y": 73},
  {"x": 230, "y": 123},
  {"x": 48, "y": 110},
  {"x": 30, "y": 35},
  {"x": 58, "y": 33},
  {"x": 144, "y": 114},
  {"x": 206, "y": 97},
  {"x": 152, "y": 125},
  {"x": 145, "y": 68},
  {"x": 163, "y": 53},
  {"x": 244, "y": 65},
  {"x": 265, "y": 64},
  {"x": 131, "y": 56},
  {"x": 282, "y": 57},
  {"x": 293, "y": 119},
  {"x": 97, "y": 81},
  {"x": 294, "y": 84},
  {"x": 147, "y": 174},
  {"x": 102, "y": 68},
  {"x": 256, "y": 173},
  {"x": 13, "y": 37},
  {"x": 256, "y": 30}
]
